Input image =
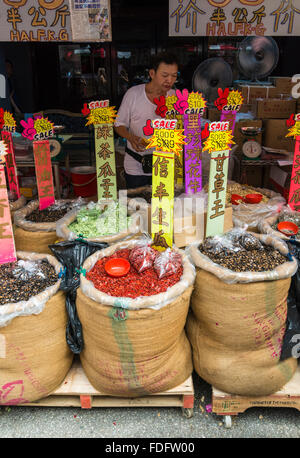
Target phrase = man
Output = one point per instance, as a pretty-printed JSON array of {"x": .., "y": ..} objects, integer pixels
[{"x": 137, "y": 108}]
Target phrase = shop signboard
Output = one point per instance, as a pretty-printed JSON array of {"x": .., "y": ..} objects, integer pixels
[
  {"x": 218, "y": 144},
  {"x": 7, "y": 243},
  {"x": 8, "y": 124},
  {"x": 102, "y": 116},
  {"x": 90, "y": 20},
  {"x": 228, "y": 18},
  {"x": 293, "y": 124},
  {"x": 167, "y": 141},
  {"x": 39, "y": 130},
  {"x": 35, "y": 20}
]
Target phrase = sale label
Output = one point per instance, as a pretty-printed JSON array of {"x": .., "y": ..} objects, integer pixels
[
  {"x": 44, "y": 176},
  {"x": 162, "y": 206},
  {"x": 99, "y": 112},
  {"x": 11, "y": 169},
  {"x": 192, "y": 153},
  {"x": 36, "y": 129}
]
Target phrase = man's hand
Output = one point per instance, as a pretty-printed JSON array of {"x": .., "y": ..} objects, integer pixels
[{"x": 136, "y": 142}]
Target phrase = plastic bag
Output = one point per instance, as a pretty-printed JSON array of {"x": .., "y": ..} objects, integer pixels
[
  {"x": 167, "y": 263},
  {"x": 72, "y": 254},
  {"x": 142, "y": 257},
  {"x": 292, "y": 331}
]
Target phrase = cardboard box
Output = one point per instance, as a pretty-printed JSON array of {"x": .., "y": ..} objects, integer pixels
[
  {"x": 251, "y": 92},
  {"x": 190, "y": 233},
  {"x": 274, "y": 135},
  {"x": 283, "y": 83},
  {"x": 280, "y": 179},
  {"x": 273, "y": 108},
  {"x": 213, "y": 114}
]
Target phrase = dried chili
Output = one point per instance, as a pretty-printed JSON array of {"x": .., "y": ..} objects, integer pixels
[{"x": 134, "y": 284}]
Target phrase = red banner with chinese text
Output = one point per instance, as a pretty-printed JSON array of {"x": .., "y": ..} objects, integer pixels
[
  {"x": 7, "y": 243},
  {"x": 11, "y": 169},
  {"x": 44, "y": 176},
  {"x": 294, "y": 194}
]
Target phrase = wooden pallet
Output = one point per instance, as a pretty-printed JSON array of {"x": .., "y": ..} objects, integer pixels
[
  {"x": 228, "y": 404},
  {"x": 76, "y": 391}
]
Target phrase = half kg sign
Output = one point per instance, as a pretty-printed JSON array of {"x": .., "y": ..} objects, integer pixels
[{"x": 224, "y": 18}]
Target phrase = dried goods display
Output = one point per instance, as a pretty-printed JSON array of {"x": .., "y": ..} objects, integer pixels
[
  {"x": 240, "y": 251},
  {"x": 50, "y": 214},
  {"x": 143, "y": 279},
  {"x": 93, "y": 220},
  {"x": 21, "y": 280}
]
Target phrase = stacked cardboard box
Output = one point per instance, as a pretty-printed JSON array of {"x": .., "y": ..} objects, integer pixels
[
  {"x": 274, "y": 135},
  {"x": 273, "y": 108},
  {"x": 283, "y": 84}
]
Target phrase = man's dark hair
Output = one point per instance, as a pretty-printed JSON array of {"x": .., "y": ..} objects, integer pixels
[{"x": 163, "y": 57}]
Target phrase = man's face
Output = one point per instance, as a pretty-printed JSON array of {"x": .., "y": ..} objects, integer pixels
[{"x": 165, "y": 76}]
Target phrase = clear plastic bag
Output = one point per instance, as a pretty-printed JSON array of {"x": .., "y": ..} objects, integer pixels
[
  {"x": 142, "y": 256},
  {"x": 167, "y": 263}
]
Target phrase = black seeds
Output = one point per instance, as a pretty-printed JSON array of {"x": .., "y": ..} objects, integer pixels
[
  {"x": 49, "y": 214},
  {"x": 13, "y": 289}
]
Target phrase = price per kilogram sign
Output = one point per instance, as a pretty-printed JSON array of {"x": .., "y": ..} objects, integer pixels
[
  {"x": 168, "y": 142},
  {"x": 294, "y": 131},
  {"x": 7, "y": 243},
  {"x": 9, "y": 127},
  {"x": 40, "y": 130},
  {"x": 218, "y": 144},
  {"x": 102, "y": 116}
]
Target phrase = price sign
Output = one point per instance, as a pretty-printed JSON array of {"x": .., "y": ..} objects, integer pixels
[
  {"x": 229, "y": 103},
  {"x": 7, "y": 243},
  {"x": 168, "y": 142},
  {"x": 218, "y": 144},
  {"x": 102, "y": 116},
  {"x": 293, "y": 124},
  {"x": 39, "y": 130},
  {"x": 9, "y": 127}
]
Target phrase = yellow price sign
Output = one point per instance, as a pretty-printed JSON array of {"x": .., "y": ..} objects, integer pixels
[
  {"x": 167, "y": 140},
  {"x": 218, "y": 141}
]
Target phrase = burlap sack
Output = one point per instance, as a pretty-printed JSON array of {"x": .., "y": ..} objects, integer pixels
[
  {"x": 17, "y": 205},
  {"x": 135, "y": 347},
  {"x": 34, "y": 355},
  {"x": 30, "y": 236},
  {"x": 132, "y": 231},
  {"x": 236, "y": 327}
]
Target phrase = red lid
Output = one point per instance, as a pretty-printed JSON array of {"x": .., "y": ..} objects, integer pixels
[
  {"x": 253, "y": 198},
  {"x": 236, "y": 199},
  {"x": 117, "y": 267},
  {"x": 288, "y": 228}
]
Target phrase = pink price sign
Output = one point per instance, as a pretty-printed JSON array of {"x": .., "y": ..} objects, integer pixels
[
  {"x": 294, "y": 194},
  {"x": 44, "y": 176},
  {"x": 7, "y": 243},
  {"x": 12, "y": 176}
]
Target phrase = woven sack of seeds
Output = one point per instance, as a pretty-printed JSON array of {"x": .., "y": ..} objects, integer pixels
[
  {"x": 116, "y": 230},
  {"x": 237, "y": 322},
  {"x": 135, "y": 347},
  {"x": 16, "y": 205},
  {"x": 34, "y": 236},
  {"x": 269, "y": 225},
  {"x": 34, "y": 355}
]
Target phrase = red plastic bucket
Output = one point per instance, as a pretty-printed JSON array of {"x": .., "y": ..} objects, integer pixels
[{"x": 83, "y": 180}]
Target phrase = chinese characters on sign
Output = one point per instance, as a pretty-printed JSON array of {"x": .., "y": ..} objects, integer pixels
[
  {"x": 43, "y": 170},
  {"x": 218, "y": 145},
  {"x": 221, "y": 18},
  {"x": 168, "y": 142},
  {"x": 294, "y": 194},
  {"x": 11, "y": 169},
  {"x": 7, "y": 243},
  {"x": 193, "y": 153},
  {"x": 102, "y": 116},
  {"x": 29, "y": 20}
]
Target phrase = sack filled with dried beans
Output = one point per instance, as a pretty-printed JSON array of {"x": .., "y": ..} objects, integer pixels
[
  {"x": 34, "y": 355},
  {"x": 238, "y": 317},
  {"x": 134, "y": 338},
  {"x": 36, "y": 229}
]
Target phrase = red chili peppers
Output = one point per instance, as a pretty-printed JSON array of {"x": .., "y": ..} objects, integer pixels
[{"x": 132, "y": 285}]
